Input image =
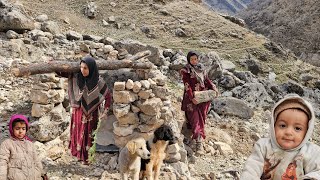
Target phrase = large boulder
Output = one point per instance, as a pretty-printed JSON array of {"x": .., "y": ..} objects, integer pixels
[
  {"x": 134, "y": 47},
  {"x": 178, "y": 60},
  {"x": 227, "y": 81},
  {"x": 50, "y": 26},
  {"x": 232, "y": 106},
  {"x": 91, "y": 10},
  {"x": 254, "y": 93},
  {"x": 120, "y": 110},
  {"x": 246, "y": 76},
  {"x": 46, "y": 97},
  {"x": 212, "y": 62},
  {"x": 253, "y": 66},
  {"x": 124, "y": 97},
  {"x": 150, "y": 106},
  {"x": 14, "y": 18},
  {"x": 51, "y": 125},
  {"x": 292, "y": 87}
]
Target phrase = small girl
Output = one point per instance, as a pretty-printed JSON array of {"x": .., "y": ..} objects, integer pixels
[{"x": 18, "y": 157}]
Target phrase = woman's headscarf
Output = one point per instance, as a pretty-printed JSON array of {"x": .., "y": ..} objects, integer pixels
[
  {"x": 16, "y": 117},
  {"x": 197, "y": 69},
  {"x": 91, "y": 97},
  {"x": 92, "y": 79},
  {"x": 198, "y": 66},
  {"x": 191, "y": 53}
]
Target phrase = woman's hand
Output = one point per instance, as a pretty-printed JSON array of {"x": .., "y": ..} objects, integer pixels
[{"x": 194, "y": 101}]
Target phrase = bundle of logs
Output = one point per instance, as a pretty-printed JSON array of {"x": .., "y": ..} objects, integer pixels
[{"x": 66, "y": 66}]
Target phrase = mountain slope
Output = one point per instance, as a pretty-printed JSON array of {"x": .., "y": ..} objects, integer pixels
[
  {"x": 228, "y": 6},
  {"x": 204, "y": 29},
  {"x": 294, "y": 23}
]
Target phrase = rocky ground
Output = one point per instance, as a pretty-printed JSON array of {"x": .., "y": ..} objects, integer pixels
[{"x": 248, "y": 60}]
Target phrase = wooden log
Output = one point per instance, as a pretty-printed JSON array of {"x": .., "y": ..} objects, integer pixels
[{"x": 65, "y": 66}]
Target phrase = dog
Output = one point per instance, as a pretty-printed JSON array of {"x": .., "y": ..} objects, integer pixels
[
  {"x": 130, "y": 158},
  {"x": 162, "y": 137}
]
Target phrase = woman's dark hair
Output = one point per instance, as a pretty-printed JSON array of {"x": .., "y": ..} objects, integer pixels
[{"x": 92, "y": 80}]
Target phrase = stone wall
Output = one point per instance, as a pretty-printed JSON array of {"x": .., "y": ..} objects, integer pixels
[
  {"x": 47, "y": 97},
  {"x": 140, "y": 107}
]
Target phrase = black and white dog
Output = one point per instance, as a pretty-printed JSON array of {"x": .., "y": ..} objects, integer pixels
[{"x": 162, "y": 137}]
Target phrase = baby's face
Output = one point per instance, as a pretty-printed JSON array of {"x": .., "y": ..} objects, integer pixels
[{"x": 290, "y": 128}]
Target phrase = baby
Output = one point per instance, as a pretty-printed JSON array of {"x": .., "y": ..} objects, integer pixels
[{"x": 287, "y": 154}]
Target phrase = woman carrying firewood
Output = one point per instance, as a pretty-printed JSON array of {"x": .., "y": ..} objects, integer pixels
[
  {"x": 90, "y": 99},
  {"x": 195, "y": 78}
]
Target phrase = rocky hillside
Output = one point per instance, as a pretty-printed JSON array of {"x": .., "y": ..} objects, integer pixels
[
  {"x": 250, "y": 71},
  {"x": 295, "y": 24},
  {"x": 231, "y": 7}
]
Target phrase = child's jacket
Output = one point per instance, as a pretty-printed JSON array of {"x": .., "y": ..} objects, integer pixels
[
  {"x": 269, "y": 161},
  {"x": 18, "y": 160}
]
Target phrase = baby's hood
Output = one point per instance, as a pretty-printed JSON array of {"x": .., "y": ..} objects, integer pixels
[{"x": 291, "y": 101}]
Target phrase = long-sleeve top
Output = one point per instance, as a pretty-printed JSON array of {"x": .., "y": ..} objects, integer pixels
[
  {"x": 192, "y": 82},
  {"x": 270, "y": 161},
  {"x": 19, "y": 160}
]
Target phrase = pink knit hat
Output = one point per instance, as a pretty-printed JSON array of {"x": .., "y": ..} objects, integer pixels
[{"x": 14, "y": 118}]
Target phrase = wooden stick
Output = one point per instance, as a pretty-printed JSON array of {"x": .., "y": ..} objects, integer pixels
[{"x": 65, "y": 66}]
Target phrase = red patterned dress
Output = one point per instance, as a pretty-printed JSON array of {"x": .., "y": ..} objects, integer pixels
[
  {"x": 89, "y": 97},
  {"x": 84, "y": 123},
  {"x": 196, "y": 114}
]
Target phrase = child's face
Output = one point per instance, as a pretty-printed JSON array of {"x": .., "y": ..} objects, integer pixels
[
  {"x": 19, "y": 130},
  {"x": 290, "y": 128},
  {"x": 194, "y": 60}
]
